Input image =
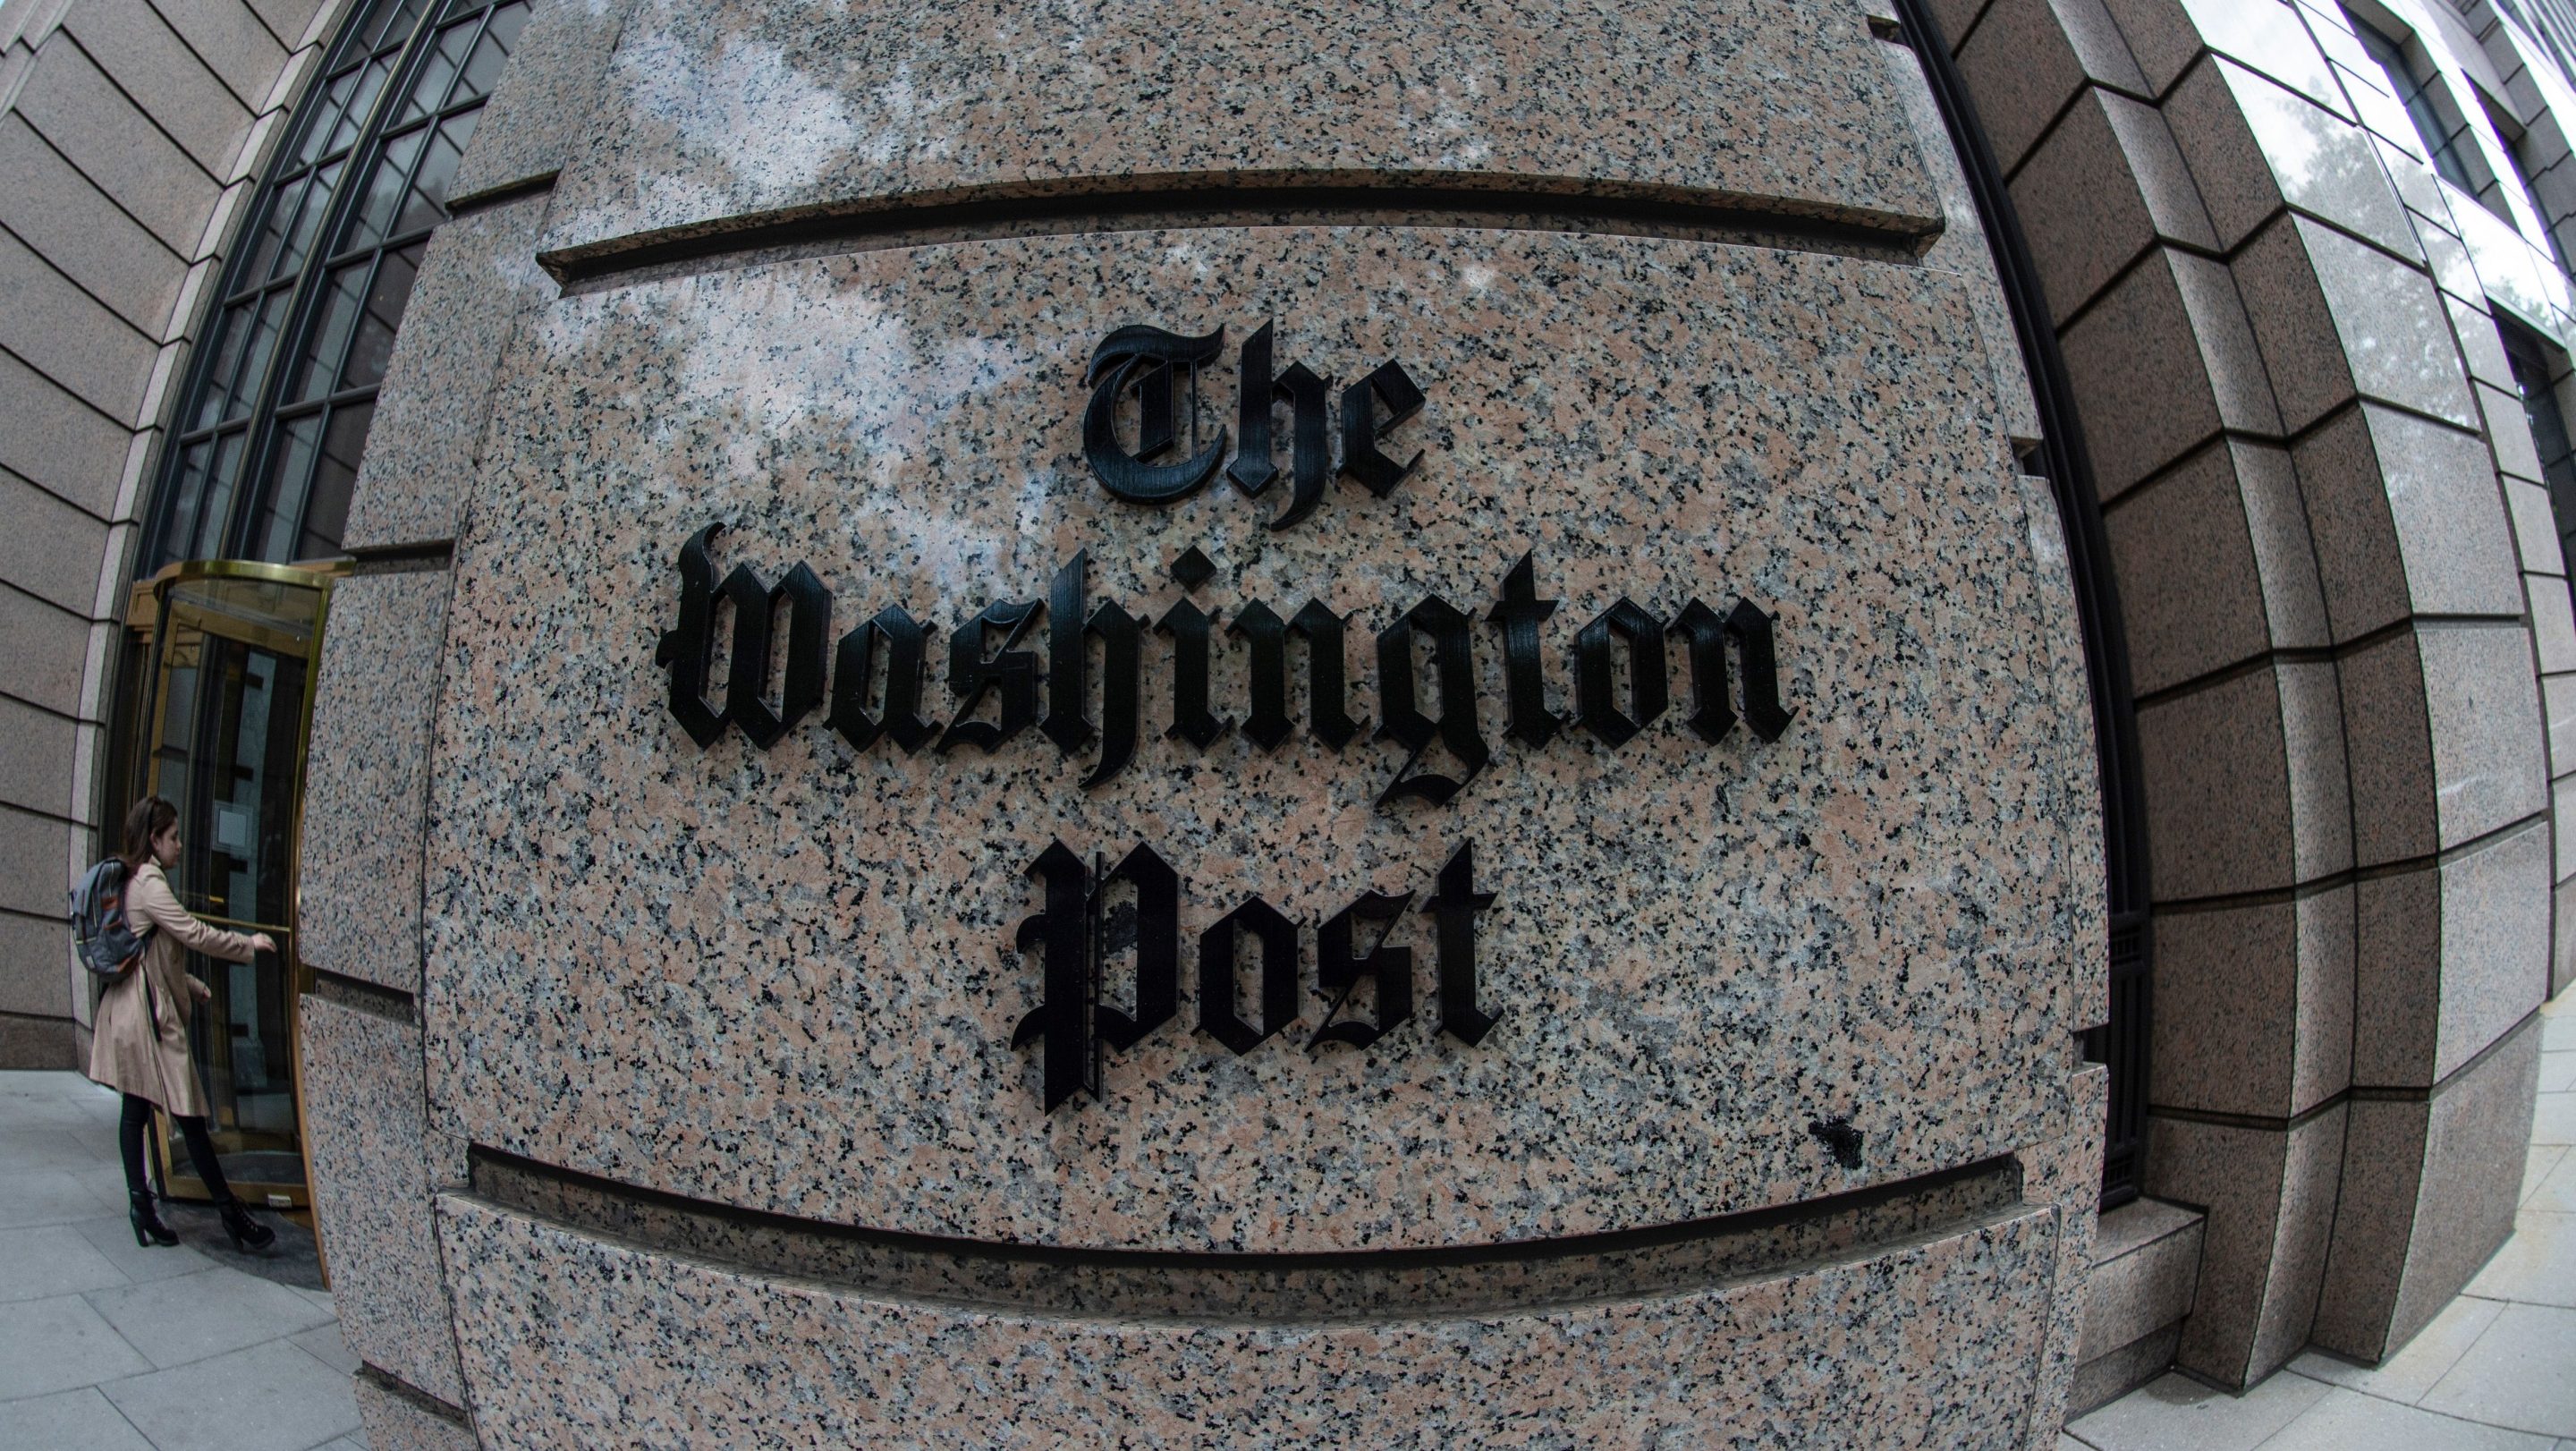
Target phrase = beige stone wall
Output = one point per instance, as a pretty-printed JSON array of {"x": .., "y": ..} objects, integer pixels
[
  {"x": 131, "y": 135},
  {"x": 2344, "y": 598}
]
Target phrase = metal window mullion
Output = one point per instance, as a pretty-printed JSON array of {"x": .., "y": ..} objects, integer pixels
[
  {"x": 201, "y": 364},
  {"x": 294, "y": 336}
]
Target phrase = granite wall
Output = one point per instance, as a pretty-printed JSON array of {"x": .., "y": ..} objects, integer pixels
[
  {"x": 2345, "y": 603},
  {"x": 1761, "y": 1112},
  {"x": 1777, "y": 1125}
]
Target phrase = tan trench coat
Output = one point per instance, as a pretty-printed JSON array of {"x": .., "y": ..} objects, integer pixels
[{"x": 125, "y": 1052}]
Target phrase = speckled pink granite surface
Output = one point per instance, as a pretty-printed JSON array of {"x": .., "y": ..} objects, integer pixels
[
  {"x": 778, "y": 980},
  {"x": 578, "y": 1342},
  {"x": 716, "y": 116}
]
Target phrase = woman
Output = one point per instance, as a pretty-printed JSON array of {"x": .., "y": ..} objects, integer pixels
[{"x": 140, "y": 1048}]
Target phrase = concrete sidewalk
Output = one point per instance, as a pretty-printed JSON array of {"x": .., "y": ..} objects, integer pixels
[{"x": 107, "y": 1347}]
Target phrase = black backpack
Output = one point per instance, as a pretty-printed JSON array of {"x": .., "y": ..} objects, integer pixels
[{"x": 109, "y": 945}]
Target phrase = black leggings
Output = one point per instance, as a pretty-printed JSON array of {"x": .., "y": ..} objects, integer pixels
[{"x": 129, "y": 1140}]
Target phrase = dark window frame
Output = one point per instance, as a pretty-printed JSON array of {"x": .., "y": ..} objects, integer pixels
[
  {"x": 247, "y": 467},
  {"x": 2413, "y": 83}
]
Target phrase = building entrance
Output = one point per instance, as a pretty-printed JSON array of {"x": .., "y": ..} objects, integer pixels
[{"x": 227, "y": 652}]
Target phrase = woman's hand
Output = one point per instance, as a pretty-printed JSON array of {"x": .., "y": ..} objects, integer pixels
[
  {"x": 262, "y": 942},
  {"x": 197, "y": 989}
]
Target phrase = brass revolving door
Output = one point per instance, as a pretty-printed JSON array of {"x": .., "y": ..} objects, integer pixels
[{"x": 223, "y": 719}]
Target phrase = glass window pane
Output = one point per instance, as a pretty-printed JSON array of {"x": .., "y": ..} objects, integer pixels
[
  {"x": 222, "y": 479},
  {"x": 386, "y": 299},
  {"x": 290, "y": 472},
  {"x": 245, "y": 381},
  {"x": 485, "y": 65},
  {"x": 304, "y": 314},
  {"x": 231, "y": 330},
  {"x": 315, "y": 203},
  {"x": 326, "y": 121},
  {"x": 385, "y": 186},
  {"x": 275, "y": 219},
  {"x": 391, "y": 21},
  {"x": 326, "y": 505},
  {"x": 195, "y": 461},
  {"x": 446, "y": 58},
  {"x": 2410, "y": 91},
  {"x": 320, "y": 366},
  {"x": 426, "y": 206}
]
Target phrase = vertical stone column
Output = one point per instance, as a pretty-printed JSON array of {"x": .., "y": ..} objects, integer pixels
[
  {"x": 377, "y": 1161},
  {"x": 2285, "y": 371}
]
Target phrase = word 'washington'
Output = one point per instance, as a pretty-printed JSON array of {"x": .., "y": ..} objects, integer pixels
[
  {"x": 986, "y": 663},
  {"x": 1077, "y": 932}
]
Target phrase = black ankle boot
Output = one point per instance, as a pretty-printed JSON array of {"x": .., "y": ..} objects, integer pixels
[
  {"x": 244, "y": 1230},
  {"x": 148, "y": 1228}
]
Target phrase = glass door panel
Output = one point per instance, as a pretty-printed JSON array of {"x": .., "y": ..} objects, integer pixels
[{"x": 235, "y": 649}]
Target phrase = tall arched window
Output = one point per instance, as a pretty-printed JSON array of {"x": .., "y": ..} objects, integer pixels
[{"x": 266, "y": 433}]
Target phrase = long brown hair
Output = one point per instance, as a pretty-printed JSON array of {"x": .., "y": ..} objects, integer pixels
[{"x": 144, "y": 820}]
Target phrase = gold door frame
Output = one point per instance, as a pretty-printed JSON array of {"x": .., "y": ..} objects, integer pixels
[{"x": 152, "y": 705}]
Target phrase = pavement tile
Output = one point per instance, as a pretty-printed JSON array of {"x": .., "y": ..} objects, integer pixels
[
  {"x": 2408, "y": 1374},
  {"x": 270, "y": 1397},
  {"x": 190, "y": 1318},
  {"x": 2175, "y": 1413},
  {"x": 56, "y": 1344},
  {"x": 45, "y": 1196},
  {"x": 325, "y": 1344},
  {"x": 2350, "y": 1421},
  {"x": 2558, "y": 1072},
  {"x": 2556, "y": 1192},
  {"x": 2544, "y": 1157},
  {"x": 114, "y": 1238},
  {"x": 78, "y": 1420},
  {"x": 105, "y": 1183},
  {"x": 26, "y": 1147},
  {"x": 2517, "y": 1374},
  {"x": 2558, "y": 1031},
  {"x": 51, "y": 1259},
  {"x": 2536, "y": 1266},
  {"x": 2553, "y": 1119}
]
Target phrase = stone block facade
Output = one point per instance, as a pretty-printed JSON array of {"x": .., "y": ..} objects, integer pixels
[{"x": 714, "y": 1132}]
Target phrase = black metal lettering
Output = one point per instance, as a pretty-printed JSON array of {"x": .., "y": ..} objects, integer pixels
[
  {"x": 1192, "y": 721},
  {"x": 685, "y": 650},
  {"x": 1310, "y": 456},
  {"x": 1752, "y": 631},
  {"x": 1453, "y": 657},
  {"x": 1521, "y": 612},
  {"x": 1277, "y": 937},
  {"x": 1158, "y": 364},
  {"x": 1338, "y": 970},
  {"x": 1596, "y": 709},
  {"x": 1013, "y": 672},
  {"x": 1327, "y": 673},
  {"x": 1061, "y": 1022},
  {"x": 1712, "y": 701},
  {"x": 854, "y": 664},
  {"x": 809, "y": 631},
  {"x": 1453, "y": 912},
  {"x": 1121, "y": 636},
  {"x": 1361, "y": 427},
  {"x": 1156, "y": 941},
  {"x": 1067, "y": 659},
  {"x": 1267, "y": 634}
]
